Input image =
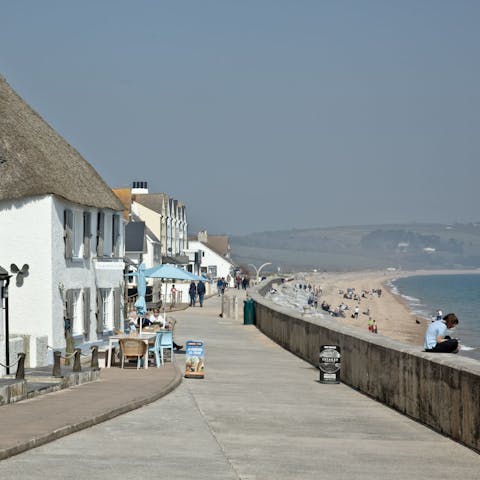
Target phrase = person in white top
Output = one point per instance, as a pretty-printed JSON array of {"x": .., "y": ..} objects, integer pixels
[{"x": 157, "y": 318}]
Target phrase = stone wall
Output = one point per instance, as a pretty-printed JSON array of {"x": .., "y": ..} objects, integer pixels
[{"x": 439, "y": 390}]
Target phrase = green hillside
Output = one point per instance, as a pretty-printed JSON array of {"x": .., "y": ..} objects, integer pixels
[{"x": 406, "y": 246}]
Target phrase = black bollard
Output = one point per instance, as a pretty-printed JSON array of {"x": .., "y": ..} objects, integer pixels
[
  {"x": 57, "y": 371},
  {"x": 94, "y": 361},
  {"x": 77, "y": 367},
  {"x": 20, "y": 375}
]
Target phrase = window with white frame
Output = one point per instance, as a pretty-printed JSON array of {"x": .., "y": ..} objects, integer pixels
[
  {"x": 107, "y": 308},
  {"x": 78, "y": 237},
  {"x": 212, "y": 270},
  {"x": 77, "y": 304}
]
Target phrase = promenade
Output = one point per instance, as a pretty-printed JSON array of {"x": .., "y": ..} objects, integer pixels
[{"x": 260, "y": 413}]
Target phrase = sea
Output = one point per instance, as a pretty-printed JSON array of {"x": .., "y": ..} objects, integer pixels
[{"x": 459, "y": 293}]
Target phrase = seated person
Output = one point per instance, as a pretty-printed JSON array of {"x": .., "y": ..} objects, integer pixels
[
  {"x": 132, "y": 321},
  {"x": 146, "y": 322},
  {"x": 157, "y": 318},
  {"x": 435, "y": 338}
]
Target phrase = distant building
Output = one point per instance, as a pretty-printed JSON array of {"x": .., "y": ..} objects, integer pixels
[
  {"x": 58, "y": 216},
  {"x": 162, "y": 235},
  {"x": 210, "y": 256}
]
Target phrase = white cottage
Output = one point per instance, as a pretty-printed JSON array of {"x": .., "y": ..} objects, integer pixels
[
  {"x": 58, "y": 216},
  {"x": 210, "y": 256}
]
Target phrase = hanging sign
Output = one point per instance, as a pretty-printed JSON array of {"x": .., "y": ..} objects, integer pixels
[
  {"x": 194, "y": 359},
  {"x": 329, "y": 364}
]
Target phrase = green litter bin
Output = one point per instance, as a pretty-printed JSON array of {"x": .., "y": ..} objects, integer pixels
[{"x": 248, "y": 312}]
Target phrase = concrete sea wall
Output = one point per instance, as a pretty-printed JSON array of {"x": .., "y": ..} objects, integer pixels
[{"x": 439, "y": 390}]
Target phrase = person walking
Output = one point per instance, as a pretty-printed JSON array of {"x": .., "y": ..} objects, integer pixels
[
  {"x": 192, "y": 291},
  {"x": 173, "y": 296},
  {"x": 220, "y": 286},
  {"x": 201, "y": 292}
]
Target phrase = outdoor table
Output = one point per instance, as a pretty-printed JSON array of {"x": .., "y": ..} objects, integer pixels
[{"x": 146, "y": 337}]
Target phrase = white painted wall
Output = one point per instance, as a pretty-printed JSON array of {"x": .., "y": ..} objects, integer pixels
[
  {"x": 211, "y": 258},
  {"x": 81, "y": 273},
  {"x": 32, "y": 232},
  {"x": 25, "y": 237}
]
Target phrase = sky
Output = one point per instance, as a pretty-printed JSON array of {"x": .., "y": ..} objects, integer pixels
[{"x": 263, "y": 115}]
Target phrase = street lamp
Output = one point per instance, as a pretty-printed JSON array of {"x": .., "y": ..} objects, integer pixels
[
  {"x": 258, "y": 270},
  {"x": 5, "y": 280}
]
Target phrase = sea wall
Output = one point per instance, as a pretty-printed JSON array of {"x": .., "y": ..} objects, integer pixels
[{"x": 439, "y": 390}]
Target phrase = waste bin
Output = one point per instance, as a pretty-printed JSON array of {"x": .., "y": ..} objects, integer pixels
[{"x": 248, "y": 312}]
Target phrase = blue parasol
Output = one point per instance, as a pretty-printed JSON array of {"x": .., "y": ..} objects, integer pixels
[{"x": 172, "y": 272}]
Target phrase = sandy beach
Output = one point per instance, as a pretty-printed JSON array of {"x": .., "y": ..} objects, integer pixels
[{"x": 390, "y": 312}]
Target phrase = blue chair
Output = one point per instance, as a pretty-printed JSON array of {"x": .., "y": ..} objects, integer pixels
[
  {"x": 156, "y": 349},
  {"x": 166, "y": 342}
]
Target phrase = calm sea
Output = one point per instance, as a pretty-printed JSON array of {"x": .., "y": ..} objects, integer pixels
[{"x": 459, "y": 294}]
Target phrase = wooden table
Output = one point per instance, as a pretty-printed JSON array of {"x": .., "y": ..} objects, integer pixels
[{"x": 145, "y": 337}]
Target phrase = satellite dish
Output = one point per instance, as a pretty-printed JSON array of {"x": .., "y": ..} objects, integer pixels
[{"x": 20, "y": 274}]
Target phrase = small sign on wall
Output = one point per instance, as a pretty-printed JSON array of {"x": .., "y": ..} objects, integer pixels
[
  {"x": 194, "y": 359},
  {"x": 329, "y": 364}
]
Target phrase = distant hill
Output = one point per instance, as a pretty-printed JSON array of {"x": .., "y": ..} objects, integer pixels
[{"x": 406, "y": 246}]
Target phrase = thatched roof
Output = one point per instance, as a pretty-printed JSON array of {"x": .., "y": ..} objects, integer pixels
[{"x": 36, "y": 160}]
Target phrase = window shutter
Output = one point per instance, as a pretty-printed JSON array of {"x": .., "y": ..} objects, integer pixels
[
  {"x": 99, "y": 312},
  {"x": 68, "y": 233},
  {"x": 100, "y": 233},
  {"x": 87, "y": 233},
  {"x": 86, "y": 313},
  {"x": 115, "y": 235},
  {"x": 117, "y": 297},
  {"x": 70, "y": 297}
]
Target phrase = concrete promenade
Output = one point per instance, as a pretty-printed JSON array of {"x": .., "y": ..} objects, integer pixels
[{"x": 259, "y": 414}]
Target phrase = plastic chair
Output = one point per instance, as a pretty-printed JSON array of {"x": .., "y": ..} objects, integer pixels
[
  {"x": 131, "y": 348},
  {"x": 166, "y": 342},
  {"x": 156, "y": 349}
]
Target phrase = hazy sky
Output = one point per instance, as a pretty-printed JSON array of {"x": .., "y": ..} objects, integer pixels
[{"x": 264, "y": 115}]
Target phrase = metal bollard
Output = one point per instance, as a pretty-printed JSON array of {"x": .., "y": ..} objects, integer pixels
[
  {"x": 77, "y": 367},
  {"x": 227, "y": 305},
  {"x": 94, "y": 360},
  {"x": 57, "y": 371},
  {"x": 20, "y": 375},
  {"x": 235, "y": 307}
]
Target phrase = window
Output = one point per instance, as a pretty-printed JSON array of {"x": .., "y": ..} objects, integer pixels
[
  {"x": 78, "y": 234},
  {"x": 212, "y": 271},
  {"x": 106, "y": 304},
  {"x": 68, "y": 232},
  {"x": 74, "y": 311},
  {"x": 77, "y": 323},
  {"x": 157, "y": 253}
]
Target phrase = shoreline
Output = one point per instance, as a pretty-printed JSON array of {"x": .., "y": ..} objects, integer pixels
[{"x": 391, "y": 312}]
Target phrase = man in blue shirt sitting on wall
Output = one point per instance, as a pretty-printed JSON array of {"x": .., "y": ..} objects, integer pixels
[{"x": 435, "y": 338}]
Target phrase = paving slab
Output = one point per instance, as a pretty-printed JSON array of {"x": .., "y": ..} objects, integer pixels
[{"x": 259, "y": 413}]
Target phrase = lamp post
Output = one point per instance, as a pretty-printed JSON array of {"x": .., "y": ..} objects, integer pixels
[
  {"x": 258, "y": 270},
  {"x": 5, "y": 279}
]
